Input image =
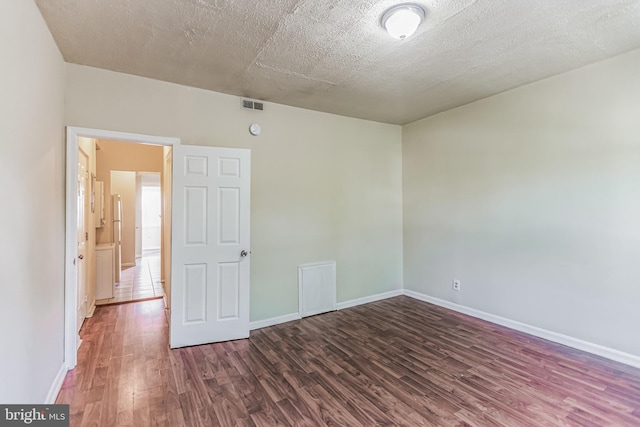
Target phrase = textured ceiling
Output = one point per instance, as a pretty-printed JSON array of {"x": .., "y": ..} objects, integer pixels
[{"x": 333, "y": 55}]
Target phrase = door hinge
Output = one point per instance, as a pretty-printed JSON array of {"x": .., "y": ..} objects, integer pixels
[{"x": 86, "y": 236}]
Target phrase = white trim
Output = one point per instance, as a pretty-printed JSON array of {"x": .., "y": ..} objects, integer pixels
[
  {"x": 315, "y": 264},
  {"x": 92, "y": 311},
  {"x": 56, "y": 385},
  {"x": 70, "y": 275},
  {"x": 597, "y": 349},
  {"x": 259, "y": 324},
  {"x": 367, "y": 300},
  {"x": 122, "y": 136}
]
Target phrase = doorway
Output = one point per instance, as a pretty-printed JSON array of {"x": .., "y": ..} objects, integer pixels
[
  {"x": 150, "y": 212},
  {"x": 72, "y": 293},
  {"x": 140, "y": 276},
  {"x": 208, "y": 208},
  {"x": 136, "y": 223}
]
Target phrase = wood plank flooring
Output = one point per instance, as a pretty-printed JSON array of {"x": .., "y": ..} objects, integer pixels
[{"x": 398, "y": 362}]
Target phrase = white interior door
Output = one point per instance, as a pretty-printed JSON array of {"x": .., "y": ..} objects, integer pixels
[
  {"x": 210, "y": 245},
  {"x": 83, "y": 167}
]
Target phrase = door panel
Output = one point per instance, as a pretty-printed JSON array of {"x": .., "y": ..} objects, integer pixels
[
  {"x": 229, "y": 298},
  {"x": 210, "y": 245},
  {"x": 195, "y": 293},
  {"x": 196, "y": 213},
  {"x": 229, "y": 218}
]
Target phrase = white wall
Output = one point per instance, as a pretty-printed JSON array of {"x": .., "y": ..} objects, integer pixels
[
  {"x": 324, "y": 187},
  {"x": 32, "y": 216},
  {"x": 532, "y": 199}
]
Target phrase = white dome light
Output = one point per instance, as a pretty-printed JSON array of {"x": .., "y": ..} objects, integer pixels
[{"x": 403, "y": 20}]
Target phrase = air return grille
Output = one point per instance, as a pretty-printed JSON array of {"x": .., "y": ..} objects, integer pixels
[
  {"x": 252, "y": 105},
  {"x": 316, "y": 288}
]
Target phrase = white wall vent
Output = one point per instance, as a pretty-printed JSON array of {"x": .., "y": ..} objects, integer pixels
[{"x": 317, "y": 288}]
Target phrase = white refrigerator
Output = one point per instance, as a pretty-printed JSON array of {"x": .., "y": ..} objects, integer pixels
[{"x": 116, "y": 233}]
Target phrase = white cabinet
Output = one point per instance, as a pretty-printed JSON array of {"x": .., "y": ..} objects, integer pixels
[{"x": 105, "y": 279}]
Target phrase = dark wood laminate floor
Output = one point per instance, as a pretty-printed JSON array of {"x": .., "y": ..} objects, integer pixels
[{"x": 394, "y": 362}]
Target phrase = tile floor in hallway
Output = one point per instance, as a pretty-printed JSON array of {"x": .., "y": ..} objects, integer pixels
[{"x": 139, "y": 282}]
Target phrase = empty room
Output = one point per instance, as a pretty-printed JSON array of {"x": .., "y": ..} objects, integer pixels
[{"x": 364, "y": 213}]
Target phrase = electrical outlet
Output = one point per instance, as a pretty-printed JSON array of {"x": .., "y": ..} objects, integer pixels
[{"x": 456, "y": 285}]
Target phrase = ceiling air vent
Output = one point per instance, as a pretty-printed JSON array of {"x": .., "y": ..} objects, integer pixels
[{"x": 252, "y": 105}]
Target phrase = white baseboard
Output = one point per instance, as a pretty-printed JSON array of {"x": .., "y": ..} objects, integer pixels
[
  {"x": 599, "y": 350},
  {"x": 259, "y": 324},
  {"x": 340, "y": 306},
  {"x": 366, "y": 300},
  {"x": 56, "y": 385}
]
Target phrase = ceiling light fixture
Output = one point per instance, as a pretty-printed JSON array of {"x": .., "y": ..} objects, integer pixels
[{"x": 402, "y": 20}]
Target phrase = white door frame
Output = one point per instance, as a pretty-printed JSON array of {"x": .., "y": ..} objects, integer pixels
[{"x": 71, "y": 229}]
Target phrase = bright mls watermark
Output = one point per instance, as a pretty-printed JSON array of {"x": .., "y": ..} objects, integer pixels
[{"x": 34, "y": 415}]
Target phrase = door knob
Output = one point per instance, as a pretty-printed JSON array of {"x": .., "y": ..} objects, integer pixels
[
  {"x": 80, "y": 256},
  {"x": 243, "y": 253}
]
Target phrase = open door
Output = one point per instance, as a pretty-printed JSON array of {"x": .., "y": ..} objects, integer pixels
[
  {"x": 209, "y": 245},
  {"x": 83, "y": 237}
]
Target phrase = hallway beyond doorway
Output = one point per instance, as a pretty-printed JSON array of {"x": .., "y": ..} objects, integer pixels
[{"x": 138, "y": 283}]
